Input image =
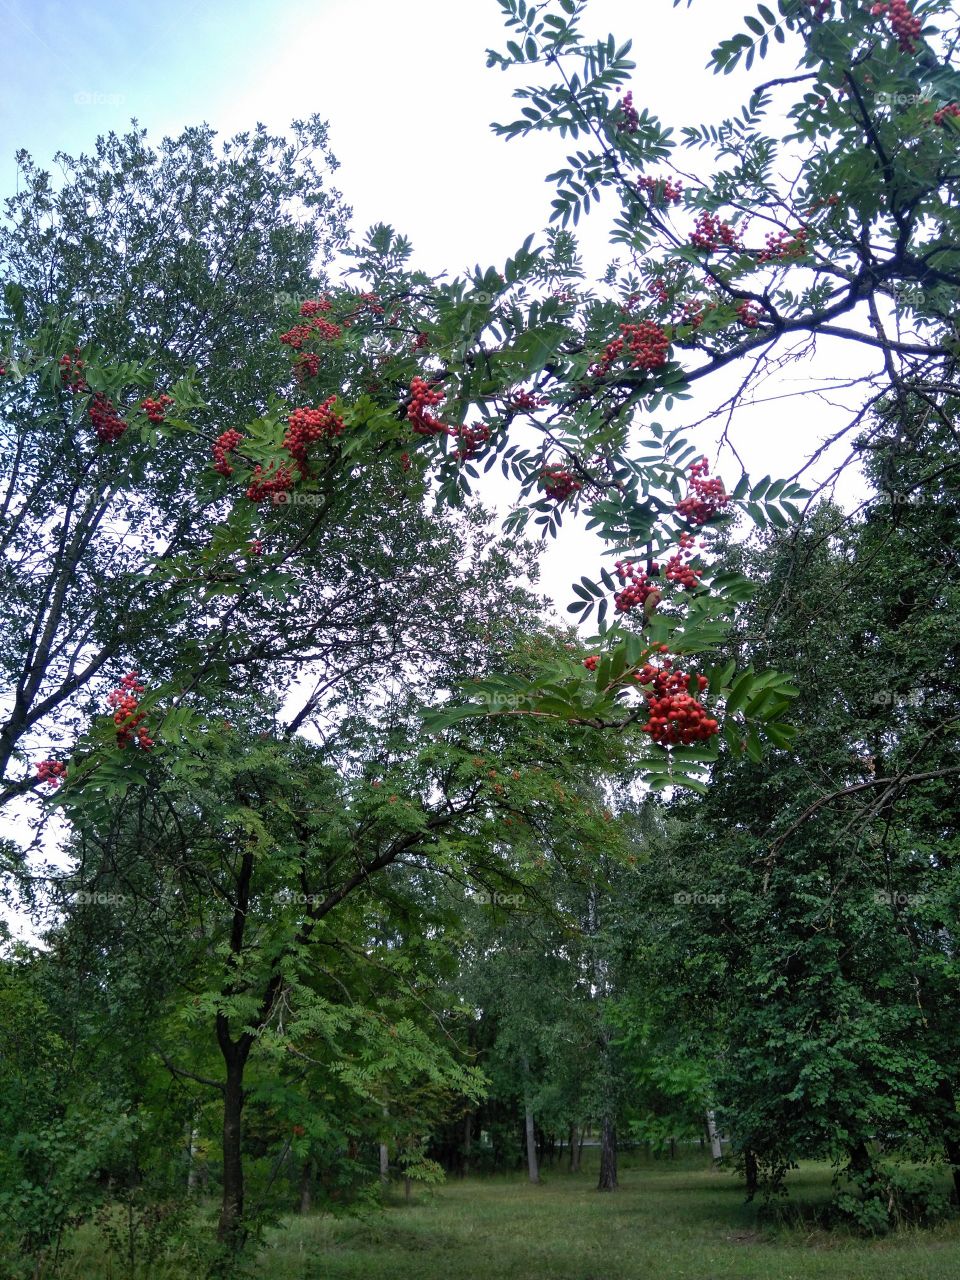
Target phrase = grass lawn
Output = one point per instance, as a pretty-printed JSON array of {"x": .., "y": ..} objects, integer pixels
[{"x": 670, "y": 1220}]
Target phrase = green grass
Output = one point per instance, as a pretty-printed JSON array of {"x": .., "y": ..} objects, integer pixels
[{"x": 670, "y": 1220}]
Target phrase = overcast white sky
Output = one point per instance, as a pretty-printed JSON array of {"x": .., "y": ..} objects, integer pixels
[{"x": 409, "y": 99}]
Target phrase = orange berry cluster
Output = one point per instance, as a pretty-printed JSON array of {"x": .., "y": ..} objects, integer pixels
[
  {"x": 469, "y": 440},
  {"x": 107, "y": 423},
  {"x": 525, "y": 401},
  {"x": 711, "y": 233},
  {"x": 939, "y": 117},
  {"x": 592, "y": 662},
  {"x": 639, "y": 586},
  {"x": 225, "y": 444},
  {"x": 748, "y": 313},
  {"x": 423, "y": 398},
  {"x": 295, "y": 337},
  {"x": 706, "y": 498},
  {"x": 904, "y": 25},
  {"x": 662, "y": 190},
  {"x": 272, "y": 483},
  {"x": 51, "y": 771},
  {"x": 676, "y": 718},
  {"x": 646, "y": 342},
  {"x": 309, "y": 425},
  {"x": 155, "y": 409},
  {"x": 558, "y": 483},
  {"x": 784, "y": 245},
  {"x": 127, "y": 715},
  {"x": 306, "y": 365},
  {"x": 71, "y": 371},
  {"x": 678, "y": 568}
]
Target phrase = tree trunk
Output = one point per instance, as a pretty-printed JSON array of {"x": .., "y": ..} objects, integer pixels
[
  {"x": 608, "y": 1155},
  {"x": 230, "y": 1225},
  {"x": 467, "y": 1142},
  {"x": 576, "y": 1147},
  {"x": 533, "y": 1169},
  {"x": 191, "y": 1161},
  {"x": 752, "y": 1172},
  {"x": 716, "y": 1150},
  {"x": 306, "y": 1182}
]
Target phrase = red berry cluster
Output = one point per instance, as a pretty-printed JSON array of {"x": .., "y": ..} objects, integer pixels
[
  {"x": 309, "y": 425},
  {"x": 107, "y": 423},
  {"x": 659, "y": 291},
  {"x": 127, "y": 715},
  {"x": 314, "y": 306},
  {"x": 225, "y": 444},
  {"x": 711, "y": 233},
  {"x": 748, "y": 313},
  {"x": 423, "y": 398},
  {"x": 592, "y": 662},
  {"x": 676, "y": 718},
  {"x": 306, "y": 365},
  {"x": 155, "y": 409},
  {"x": 525, "y": 402},
  {"x": 819, "y": 8},
  {"x": 662, "y": 190},
  {"x": 469, "y": 440},
  {"x": 939, "y": 117},
  {"x": 51, "y": 771},
  {"x": 420, "y": 341},
  {"x": 372, "y": 301},
  {"x": 784, "y": 245},
  {"x": 256, "y": 547},
  {"x": 558, "y": 483},
  {"x": 678, "y": 568},
  {"x": 693, "y": 311},
  {"x": 629, "y": 119},
  {"x": 326, "y": 329},
  {"x": 71, "y": 371},
  {"x": 706, "y": 497},
  {"x": 640, "y": 586},
  {"x": 904, "y": 25},
  {"x": 271, "y": 483},
  {"x": 646, "y": 342}
]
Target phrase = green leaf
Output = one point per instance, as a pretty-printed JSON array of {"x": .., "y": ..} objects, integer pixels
[{"x": 741, "y": 690}]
